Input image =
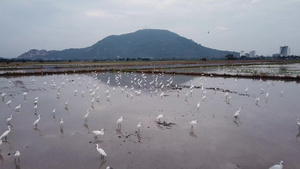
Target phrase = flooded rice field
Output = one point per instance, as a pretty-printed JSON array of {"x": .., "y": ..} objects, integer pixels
[
  {"x": 264, "y": 132},
  {"x": 292, "y": 69}
]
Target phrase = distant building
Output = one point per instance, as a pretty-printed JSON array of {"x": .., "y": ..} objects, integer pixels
[
  {"x": 242, "y": 53},
  {"x": 284, "y": 51},
  {"x": 252, "y": 54}
]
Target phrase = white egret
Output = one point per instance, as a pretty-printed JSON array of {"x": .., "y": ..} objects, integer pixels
[
  {"x": 160, "y": 117},
  {"x": 267, "y": 95},
  {"x": 17, "y": 108},
  {"x": 246, "y": 90},
  {"x": 192, "y": 123},
  {"x": 298, "y": 123},
  {"x": 66, "y": 104},
  {"x": 36, "y": 121},
  {"x": 82, "y": 93},
  {"x": 9, "y": 119},
  {"x": 8, "y": 102},
  {"x": 36, "y": 101},
  {"x": 5, "y": 133},
  {"x": 237, "y": 113},
  {"x": 61, "y": 123},
  {"x": 198, "y": 106},
  {"x": 53, "y": 111},
  {"x": 86, "y": 115},
  {"x": 75, "y": 92},
  {"x": 277, "y": 166},
  {"x": 25, "y": 94},
  {"x": 161, "y": 95},
  {"x": 257, "y": 100},
  {"x": 101, "y": 151},
  {"x": 1, "y": 142},
  {"x": 139, "y": 126},
  {"x": 98, "y": 132},
  {"x": 17, "y": 155},
  {"x": 3, "y": 96},
  {"x": 281, "y": 93},
  {"x": 35, "y": 107},
  {"x": 203, "y": 98},
  {"x": 119, "y": 121}
]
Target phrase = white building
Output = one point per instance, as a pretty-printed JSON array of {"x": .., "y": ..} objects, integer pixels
[
  {"x": 284, "y": 51},
  {"x": 252, "y": 54},
  {"x": 242, "y": 53}
]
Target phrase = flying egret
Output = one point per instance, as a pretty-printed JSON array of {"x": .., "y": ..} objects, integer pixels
[
  {"x": 192, "y": 123},
  {"x": 159, "y": 117},
  {"x": 36, "y": 121},
  {"x": 17, "y": 155},
  {"x": 5, "y": 133},
  {"x": 119, "y": 121},
  {"x": 86, "y": 115},
  {"x": 277, "y": 166},
  {"x": 61, "y": 123},
  {"x": 237, "y": 113},
  {"x": 98, "y": 132},
  {"x": 9, "y": 119},
  {"x": 298, "y": 123},
  {"x": 17, "y": 108},
  {"x": 101, "y": 151}
]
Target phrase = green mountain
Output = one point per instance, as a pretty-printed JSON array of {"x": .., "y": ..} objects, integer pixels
[{"x": 147, "y": 43}]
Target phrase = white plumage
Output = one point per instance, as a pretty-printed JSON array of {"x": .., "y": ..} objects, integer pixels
[
  {"x": 98, "y": 132},
  {"x": 237, "y": 113},
  {"x": 36, "y": 121},
  {"x": 159, "y": 117},
  {"x": 277, "y": 166},
  {"x": 101, "y": 151},
  {"x": 5, "y": 133}
]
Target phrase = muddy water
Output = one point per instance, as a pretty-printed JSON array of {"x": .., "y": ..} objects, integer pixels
[{"x": 264, "y": 134}]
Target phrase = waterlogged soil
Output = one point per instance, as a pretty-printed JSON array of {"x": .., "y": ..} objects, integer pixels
[{"x": 264, "y": 134}]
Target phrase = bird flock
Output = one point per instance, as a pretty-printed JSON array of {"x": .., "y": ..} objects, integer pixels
[{"x": 155, "y": 85}]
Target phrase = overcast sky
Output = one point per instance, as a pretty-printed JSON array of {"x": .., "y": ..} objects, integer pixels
[{"x": 234, "y": 25}]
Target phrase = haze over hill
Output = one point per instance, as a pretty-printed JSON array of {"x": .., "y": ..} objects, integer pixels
[{"x": 146, "y": 44}]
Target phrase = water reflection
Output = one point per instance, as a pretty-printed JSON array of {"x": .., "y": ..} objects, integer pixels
[
  {"x": 1, "y": 160},
  {"x": 37, "y": 130},
  {"x": 298, "y": 135},
  {"x": 120, "y": 133},
  {"x": 139, "y": 137},
  {"x": 86, "y": 126},
  {"x": 192, "y": 134},
  {"x": 102, "y": 164},
  {"x": 237, "y": 121},
  {"x": 17, "y": 164},
  {"x": 62, "y": 132}
]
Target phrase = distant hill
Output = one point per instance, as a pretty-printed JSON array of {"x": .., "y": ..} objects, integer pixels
[{"x": 147, "y": 43}]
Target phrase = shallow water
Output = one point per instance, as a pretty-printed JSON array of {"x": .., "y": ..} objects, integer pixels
[{"x": 264, "y": 134}]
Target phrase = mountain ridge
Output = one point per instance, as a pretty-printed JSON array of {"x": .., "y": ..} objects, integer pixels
[{"x": 144, "y": 43}]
